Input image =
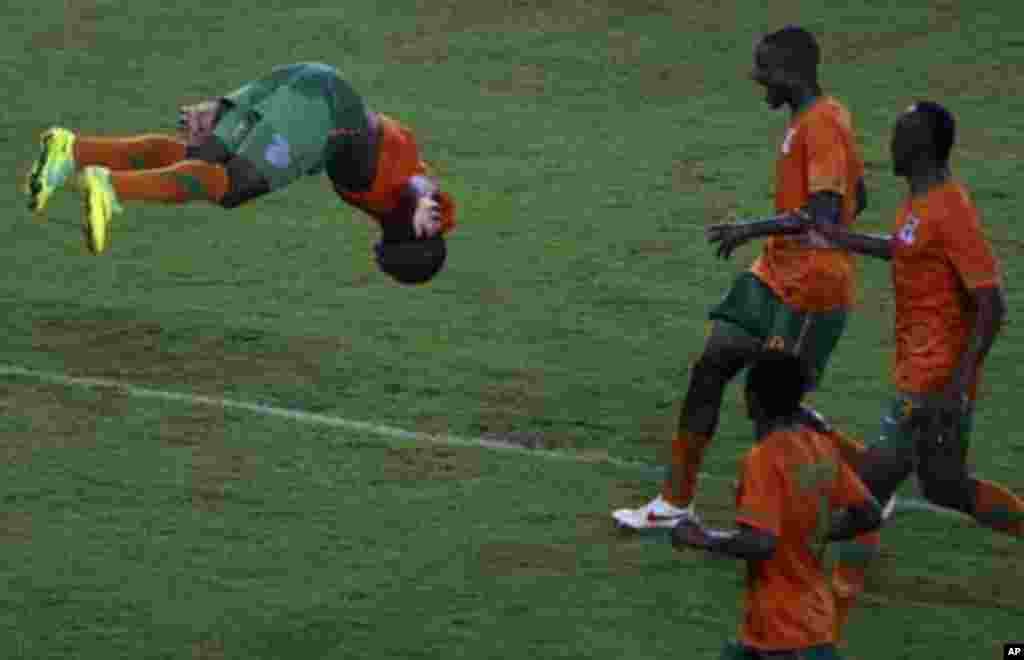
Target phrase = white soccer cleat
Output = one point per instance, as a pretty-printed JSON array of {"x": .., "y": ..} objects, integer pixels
[{"x": 656, "y": 514}]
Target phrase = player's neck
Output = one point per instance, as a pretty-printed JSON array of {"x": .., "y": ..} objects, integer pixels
[
  {"x": 765, "y": 427},
  {"x": 927, "y": 177},
  {"x": 803, "y": 96}
]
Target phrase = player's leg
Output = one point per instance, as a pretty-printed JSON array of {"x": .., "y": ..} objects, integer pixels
[
  {"x": 64, "y": 152},
  {"x": 737, "y": 335},
  {"x": 729, "y": 349},
  {"x": 945, "y": 481}
]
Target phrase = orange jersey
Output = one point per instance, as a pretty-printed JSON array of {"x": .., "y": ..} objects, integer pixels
[
  {"x": 791, "y": 482},
  {"x": 398, "y": 160},
  {"x": 819, "y": 153},
  {"x": 938, "y": 254}
]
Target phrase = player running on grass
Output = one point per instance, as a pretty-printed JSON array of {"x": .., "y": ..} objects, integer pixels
[
  {"x": 299, "y": 120},
  {"x": 797, "y": 294},
  {"x": 796, "y": 495},
  {"x": 949, "y": 310}
]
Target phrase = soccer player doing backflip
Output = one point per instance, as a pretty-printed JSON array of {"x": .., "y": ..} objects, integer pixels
[{"x": 299, "y": 120}]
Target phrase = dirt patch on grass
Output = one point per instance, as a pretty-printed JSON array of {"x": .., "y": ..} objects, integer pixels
[
  {"x": 842, "y": 47},
  {"x": 208, "y": 649},
  {"x": 696, "y": 178},
  {"x": 508, "y": 400},
  {"x": 523, "y": 80},
  {"x": 78, "y": 30},
  {"x": 429, "y": 41},
  {"x": 214, "y": 465},
  {"x": 431, "y": 463},
  {"x": 528, "y": 559},
  {"x": 15, "y": 527},
  {"x": 144, "y": 352},
  {"x": 53, "y": 417}
]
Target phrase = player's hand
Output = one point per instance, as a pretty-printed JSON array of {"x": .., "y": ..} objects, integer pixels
[
  {"x": 426, "y": 220},
  {"x": 728, "y": 237}
]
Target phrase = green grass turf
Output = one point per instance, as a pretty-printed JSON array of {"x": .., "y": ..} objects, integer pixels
[{"x": 587, "y": 145}]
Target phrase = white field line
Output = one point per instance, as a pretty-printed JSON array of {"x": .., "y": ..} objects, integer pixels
[{"x": 903, "y": 505}]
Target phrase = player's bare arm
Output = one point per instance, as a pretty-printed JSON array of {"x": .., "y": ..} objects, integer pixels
[
  {"x": 822, "y": 208},
  {"x": 746, "y": 542},
  {"x": 871, "y": 245},
  {"x": 990, "y": 303}
]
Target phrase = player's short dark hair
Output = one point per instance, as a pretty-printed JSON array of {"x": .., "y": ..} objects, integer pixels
[
  {"x": 942, "y": 125},
  {"x": 778, "y": 380},
  {"x": 799, "y": 49},
  {"x": 412, "y": 261}
]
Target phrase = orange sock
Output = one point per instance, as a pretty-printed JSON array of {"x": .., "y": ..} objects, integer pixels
[
  {"x": 848, "y": 576},
  {"x": 182, "y": 182},
  {"x": 129, "y": 153},
  {"x": 687, "y": 457},
  {"x": 998, "y": 508}
]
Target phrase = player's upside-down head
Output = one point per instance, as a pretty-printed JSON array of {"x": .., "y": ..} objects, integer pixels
[{"x": 412, "y": 249}]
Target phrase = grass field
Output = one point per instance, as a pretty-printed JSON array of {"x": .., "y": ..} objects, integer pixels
[{"x": 588, "y": 144}]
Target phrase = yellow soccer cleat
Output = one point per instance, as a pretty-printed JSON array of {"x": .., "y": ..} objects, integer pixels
[
  {"x": 56, "y": 162},
  {"x": 101, "y": 204}
]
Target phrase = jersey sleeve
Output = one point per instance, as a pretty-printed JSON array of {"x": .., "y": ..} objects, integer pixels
[
  {"x": 965, "y": 245},
  {"x": 827, "y": 158},
  {"x": 759, "y": 502}
]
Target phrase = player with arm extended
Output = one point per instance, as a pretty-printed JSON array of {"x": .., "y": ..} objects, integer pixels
[
  {"x": 797, "y": 294},
  {"x": 300, "y": 119},
  {"x": 949, "y": 309},
  {"x": 796, "y": 495}
]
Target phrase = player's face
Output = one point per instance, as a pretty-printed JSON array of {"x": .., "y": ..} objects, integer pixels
[{"x": 769, "y": 74}]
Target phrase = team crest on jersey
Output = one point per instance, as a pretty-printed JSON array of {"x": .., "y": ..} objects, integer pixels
[
  {"x": 277, "y": 152},
  {"x": 908, "y": 233},
  {"x": 787, "y": 143}
]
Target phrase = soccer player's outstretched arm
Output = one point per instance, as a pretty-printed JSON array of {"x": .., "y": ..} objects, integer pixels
[
  {"x": 822, "y": 207},
  {"x": 876, "y": 246},
  {"x": 744, "y": 543}
]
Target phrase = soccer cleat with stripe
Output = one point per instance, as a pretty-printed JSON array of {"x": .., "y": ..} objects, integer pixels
[
  {"x": 56, "y": 162},
  {"x": 656, "y": 514},
  {"x": 101, "y": 204}
]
